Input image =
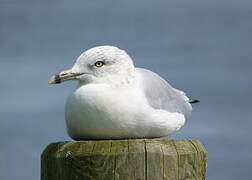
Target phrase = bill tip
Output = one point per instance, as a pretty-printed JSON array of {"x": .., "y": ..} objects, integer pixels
[{"x": 55, "y": 79}]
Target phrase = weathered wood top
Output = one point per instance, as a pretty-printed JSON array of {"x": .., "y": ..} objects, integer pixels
[{"x": 137, "y": 159}]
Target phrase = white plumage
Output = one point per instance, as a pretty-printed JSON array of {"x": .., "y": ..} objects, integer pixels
[{"x": 117, "y": 100}]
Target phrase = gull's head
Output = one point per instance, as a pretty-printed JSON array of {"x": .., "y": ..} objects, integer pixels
[{"x": 102, "y": 64}]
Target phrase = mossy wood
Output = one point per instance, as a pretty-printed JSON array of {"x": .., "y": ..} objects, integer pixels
[{"x": 145, "y": 159}]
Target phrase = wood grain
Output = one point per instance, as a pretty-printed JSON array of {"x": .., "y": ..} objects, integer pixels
[{"x": 139, "y": 159}]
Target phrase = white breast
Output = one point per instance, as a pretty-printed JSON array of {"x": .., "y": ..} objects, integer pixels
[{"x": 98, "y": 111}]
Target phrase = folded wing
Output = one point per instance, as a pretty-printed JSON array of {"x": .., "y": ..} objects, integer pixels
[{"x": 161, "y": 95}]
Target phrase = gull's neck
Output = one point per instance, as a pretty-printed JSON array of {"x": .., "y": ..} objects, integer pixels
[{"x": 116, "y": 81}]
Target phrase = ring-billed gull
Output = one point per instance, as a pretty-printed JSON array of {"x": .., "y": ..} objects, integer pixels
[{"x": 115, "y": 100}]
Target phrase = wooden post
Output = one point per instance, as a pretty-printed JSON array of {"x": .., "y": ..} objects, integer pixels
[{"x": 141, "y": 159}]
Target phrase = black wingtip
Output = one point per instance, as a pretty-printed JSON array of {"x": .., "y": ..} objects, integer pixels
[{"x": 194, "y": 101}]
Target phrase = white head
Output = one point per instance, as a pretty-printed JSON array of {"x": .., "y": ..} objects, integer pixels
[{"x": 102, "y": 64}]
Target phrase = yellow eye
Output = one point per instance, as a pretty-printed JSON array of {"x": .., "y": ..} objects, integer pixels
[{"x": 99, "y": 63}]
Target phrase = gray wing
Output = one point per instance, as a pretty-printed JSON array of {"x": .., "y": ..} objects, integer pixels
[{"x": 162, "y": 95}]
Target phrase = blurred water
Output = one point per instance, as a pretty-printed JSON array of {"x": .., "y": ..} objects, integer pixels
[{"x": 201, "y": 47}]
